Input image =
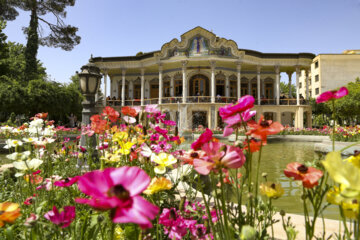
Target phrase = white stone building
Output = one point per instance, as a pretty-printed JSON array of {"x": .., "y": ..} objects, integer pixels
[
  {"x": 192, "y": 77},
  {"x": 329, "y": 72}
]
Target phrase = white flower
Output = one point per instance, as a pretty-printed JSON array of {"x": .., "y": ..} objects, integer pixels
[
  {"x": 48, "y": 132},
  {"x": 30, "y": 139},
  {"x": 15, "y": 130},
  {"x": 37, "y": 123},
  {"x": 130, "y": 120},
  {"x": 6, "y": 128},
  {"x": 19, "y": 155},
  {"x": 12, "y": 143},
  {"x": 31, "y": 165}
]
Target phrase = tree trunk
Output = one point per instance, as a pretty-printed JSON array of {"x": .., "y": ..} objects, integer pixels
[{"x": 32, "y": 46}]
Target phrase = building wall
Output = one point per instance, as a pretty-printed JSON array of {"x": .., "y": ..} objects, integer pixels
[{"x": 335, "y": 70}]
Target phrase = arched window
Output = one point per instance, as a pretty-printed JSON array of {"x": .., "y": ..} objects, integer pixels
[
  {"x": 220, "y": 84},
  {"x": 233, "y": 85}
]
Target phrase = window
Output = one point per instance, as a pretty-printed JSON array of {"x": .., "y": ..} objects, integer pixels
[
  {"x": 316, "y": 91},
  {"x": 300, "y": 85},
  {"x": 316, "y": 64},
  {"x": 317, "y": 78}
]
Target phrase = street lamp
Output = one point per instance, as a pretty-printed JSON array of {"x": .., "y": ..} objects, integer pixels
[{"x": 89, "y": 84}]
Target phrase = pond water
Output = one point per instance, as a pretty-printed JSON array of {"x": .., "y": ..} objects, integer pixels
[{"x": 275, "y": 157}]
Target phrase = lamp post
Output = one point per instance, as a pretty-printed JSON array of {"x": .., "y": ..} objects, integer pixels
[{"x": 89, "y": 84}]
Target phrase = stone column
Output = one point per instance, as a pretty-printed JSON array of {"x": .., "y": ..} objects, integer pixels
[
  {"x": 105, "y": 87},
  {"x": 160, "y": 83},
  {"x": 131, "y": 90},
  {"x": 297, "y": 86},
  {"x": 258, "y": 70},
  {"x": 142, "y": 92},
  {"x": 289, "y": 75},
  {"x": 123, "y": 88},
  {"x": 238, "y": 68},
  {"x": 213, "y": 84},
  {"x": 227, "y": 86},
  {"x": 172, "y": 86},
  {"x": 299, "y": 118},
  {"x": 277, "y": 84},
  {"x": 307, "y": 83},
  {"x": 184, "y": 83}
]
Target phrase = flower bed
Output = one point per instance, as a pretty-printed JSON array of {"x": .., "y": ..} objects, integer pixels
[{"x": 118, "y": 183}]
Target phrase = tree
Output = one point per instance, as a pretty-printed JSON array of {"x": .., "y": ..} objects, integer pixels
[
  {"x": 60, "y": 34},
  {"x": 4, "y": 51},
  {"x": 284, "y": 89}
]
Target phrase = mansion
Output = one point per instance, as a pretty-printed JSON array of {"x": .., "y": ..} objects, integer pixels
[{"x": 191, "y": 78}]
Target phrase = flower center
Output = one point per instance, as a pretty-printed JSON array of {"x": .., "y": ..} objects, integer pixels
[
  {"x": 199, "y": 232},
  {"x": 264, "y": 123},
  {"x": 172, "y": 214},
  {"x": 356, "y": 153},
  {"x": 118, "y": 191},
  {"x": 302, "y": 168},
  {"x": 162, "y": 145},
  {"x": 354, "y": 201},
  {"x": 1, "y": 212},
  {"x": 66, "y": 180},
  {"x": 273, "y": 186},
  {"x": 194, "y": 155}
]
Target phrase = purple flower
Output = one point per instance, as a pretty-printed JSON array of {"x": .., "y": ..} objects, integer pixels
[{"x": 64, "y": 218}]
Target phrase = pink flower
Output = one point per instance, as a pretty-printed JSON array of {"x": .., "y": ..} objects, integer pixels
[
  {"x": 154, "y": 137},
  {"x": 235, "y": 121},
  {"x": 67, "y": 182},
  {"x": 130, "y": 120},
  {"x": 64, "y": 218},
  {"x": 329, "y": 95},
  {"x": 152, "y": 108},
  {"x": 168, "y": 122},
  {"x": 30, "y": 221},
  {"x": 173, "y": 224},
  {"x": 204, "y": 138},
  {"x": 244, "y": 103},
  {"x": 218, "y": 156},
  {"x": 119, "y": 189}
]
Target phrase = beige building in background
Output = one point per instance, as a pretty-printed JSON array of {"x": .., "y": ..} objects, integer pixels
[{"x": 328, "y": 72}]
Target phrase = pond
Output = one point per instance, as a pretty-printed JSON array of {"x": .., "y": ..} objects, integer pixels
[{"x": 275, "y": 157}]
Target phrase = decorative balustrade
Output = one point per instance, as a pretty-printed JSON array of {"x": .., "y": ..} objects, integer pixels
[{"x": 200, "y": 100}]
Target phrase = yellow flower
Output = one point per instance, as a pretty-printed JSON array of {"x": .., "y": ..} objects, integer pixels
[
  {"x": 351, "y": 209},
  {"x": 125, "y": 148},
  {"x": 355, "y": 160},
  {"x": 120, "y": 137},
  {"x": 271, "y": 190},
  {"x": 344, "y": 173},
  {"x": 9, "y": 212},
  {"x": 119, "y": 233},
  {"x": 157, "y": 185},
  {"x": 111, "y": 157},
  {"x": 164, "y": 160},
  {"x": 333, "y": 196}
]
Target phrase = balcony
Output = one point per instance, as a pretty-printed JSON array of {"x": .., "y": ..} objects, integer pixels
[{"x": 201, "y": 100}]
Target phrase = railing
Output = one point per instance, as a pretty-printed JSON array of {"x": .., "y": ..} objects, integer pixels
[{"x": 201, "y": 99}]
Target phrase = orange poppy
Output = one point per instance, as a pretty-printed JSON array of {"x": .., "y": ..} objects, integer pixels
[
  {"x": 129, "y": 111},
  {"x": 9, "y": 212},
  {"x": 263, "y": 128}
]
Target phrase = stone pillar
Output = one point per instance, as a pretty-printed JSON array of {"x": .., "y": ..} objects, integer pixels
[
  {"x": 172, "y": 86},
  {"x": 212, "y": 122},
  {"x": 142, "y": 92},
  {"x": 123, "y": 88},
  {"x": 307, "y": 83},
  {"x": 183, "y": 118},
  {"x": 116, "y": 89},
  {"x": 227, "y": 86},
  {"x": 184, "y": 83},
  {"x": 213, "y": 84},
  {"x": 160, "y": 83},
  {"x": 105, "y": 87},
  {"x": 238, "y": 68},
  {"x": 297, "y": 86},
  {"x": 258, "y": 70},
  {"x": 299, "y": 118},
  {"x": 278, "y": 116},
  {"x": 289, "y": 75},
  {"x": 277, "y": 84},
  {"x": 131, "y": 90}
]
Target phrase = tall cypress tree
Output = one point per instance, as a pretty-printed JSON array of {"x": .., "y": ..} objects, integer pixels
[{"x": 59, "y": 35}]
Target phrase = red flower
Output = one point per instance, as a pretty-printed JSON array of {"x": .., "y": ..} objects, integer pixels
[
  {"x": 264, "y": 128},
  {"x": 110, "y": 114},
  {"x": 41, "y": 115},
  {"x": 204, "y": 138},
  {"x": 254, "y": 145},
  {"x": 98, "y": 125},
  {"x": 66, "y": 182},
  {"x": 129, "y": 111},
  {"x": 330, "y": 95},
  {"x": 308, "y": 175}
]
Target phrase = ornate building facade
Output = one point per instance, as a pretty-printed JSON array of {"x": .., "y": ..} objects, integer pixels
[{"x": 191, "y": 78}]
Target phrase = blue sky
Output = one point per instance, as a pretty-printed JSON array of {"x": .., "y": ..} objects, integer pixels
[{"x": 125, "y": 27}]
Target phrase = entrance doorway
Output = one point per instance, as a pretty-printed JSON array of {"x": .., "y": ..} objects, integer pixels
[
  {"x": 199, "y": 84},
  {"x": 199, "y": 118}
]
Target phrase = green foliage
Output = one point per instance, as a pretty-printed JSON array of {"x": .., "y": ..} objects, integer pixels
[
  {"x": 32, "y": 47},
  {"x": 284, "y": 89}
]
